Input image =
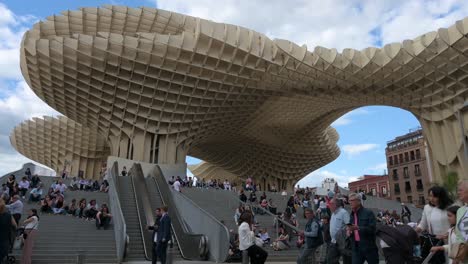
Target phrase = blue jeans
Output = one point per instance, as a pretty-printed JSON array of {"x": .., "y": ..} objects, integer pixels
[{"x": 307, "y": 256}]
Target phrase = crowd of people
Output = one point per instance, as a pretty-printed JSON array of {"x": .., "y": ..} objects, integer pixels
[
  {"x": 51, "y": 200},
  {"x": 340, "y": 228}
]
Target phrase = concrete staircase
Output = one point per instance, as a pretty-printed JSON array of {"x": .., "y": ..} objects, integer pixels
[
  {"x": 222, "y": 205},
  {"x": 61, "y": 238},
  {"x": 129, "y": 210}
]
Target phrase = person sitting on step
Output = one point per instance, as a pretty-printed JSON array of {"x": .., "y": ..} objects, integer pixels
[
  {"x": 95, "y": 186},
  {"x": 74, "y": 184},
  {"x": 36, "y": 194},
  {"x": 71, "y": 207},
  {"x": 23, "y": 187},
  {"x": 104, "y": 186},
  {"x": 80, "y": 211},
  {"x": 46, "y": 204},
  {"x": 91, "y": 210},
  {"x": 264, "y": 236},
  {"x": 103, "y": 218},
  {"x": 59, "y": 205},
  {"x": 282, "y": 242}
]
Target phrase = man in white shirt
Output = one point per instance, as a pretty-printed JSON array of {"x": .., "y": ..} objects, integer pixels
[
  {"x": 35, "y": 194},
  {"x": 176, "y": 185},
  {"x": 339, "y": 219},
  {"x": 16, "y": 208},
  {"x": 60, "y": 187},
  {"x": 23, "y": 186}
]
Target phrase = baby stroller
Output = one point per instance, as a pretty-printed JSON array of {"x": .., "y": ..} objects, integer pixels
[
  {"x": 427, "y": 242},
  {"x": 399, "y": 243}
]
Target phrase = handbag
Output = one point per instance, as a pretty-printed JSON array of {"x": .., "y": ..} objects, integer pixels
[
  {"x": 259, "y": 242},
  {"x": 458, "y": 251},
  {"x": 18, "y": 243}
]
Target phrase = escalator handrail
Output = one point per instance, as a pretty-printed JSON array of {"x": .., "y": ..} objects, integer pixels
[
  {"x": 117, "y": 211},
  {"x": 172, "y": 226},
  {"x": 139, "y": 220},
  {"x": 185, "y": 228}
]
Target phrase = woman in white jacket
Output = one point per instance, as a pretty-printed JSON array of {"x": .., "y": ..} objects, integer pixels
[
  {"x": 434, "y": 218},
  {"x": 247, "y": 240}
]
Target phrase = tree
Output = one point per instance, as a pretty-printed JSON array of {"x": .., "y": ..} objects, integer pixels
[{"x": 450, "y": 183}]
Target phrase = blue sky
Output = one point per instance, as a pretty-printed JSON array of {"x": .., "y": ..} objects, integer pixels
[{"x": 338, "y": 24}]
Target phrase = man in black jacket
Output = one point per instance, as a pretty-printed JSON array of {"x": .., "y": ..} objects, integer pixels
[
  {"x": 405, "y": 212},
  {"x": 362, "y": 230},
  {"x": 163, "y": 235},
  {"x": 155, "y": 227}
]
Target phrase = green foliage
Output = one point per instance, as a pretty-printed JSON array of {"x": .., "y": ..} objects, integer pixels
[{"x": 450, "y": 183}]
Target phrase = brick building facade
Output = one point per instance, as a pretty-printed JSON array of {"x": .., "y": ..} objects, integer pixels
[
  {"x": 378, "y": 185},
  {"x": 407, "y": 164}
]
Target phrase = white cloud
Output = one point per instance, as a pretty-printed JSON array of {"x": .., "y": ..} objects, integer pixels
[
  {"x": 333, "y": 24},
  {"x": 315, "y": 178},
  {"x": 19, "y": 104},
  {"x": 352, "y": 150},
  {"x": 378, "y": 169},
  {"x": 17, "y": 100},
  {"x": 349, "y": 117},
  {"x": 12, "y": 28}
]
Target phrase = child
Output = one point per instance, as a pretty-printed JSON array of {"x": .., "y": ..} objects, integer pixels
[
  {"x": 263, "y": 235},
  {"x": 452, "y": 217},
  {"x": 281, "y": 242}
]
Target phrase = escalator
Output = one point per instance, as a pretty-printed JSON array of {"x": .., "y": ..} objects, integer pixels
[{"x": 136, "y": 248}]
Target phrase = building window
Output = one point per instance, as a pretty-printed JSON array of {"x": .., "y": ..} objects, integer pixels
[
  {"x": 405, "y": 172},
  {"x": 390, "y": 160},
  {"x": 412, "y": 155},
  {"x": 401, "y": 158},
  {"x": 406, "y": 157},
  {"x": 373, "y": 191},
  {"x": 395, "y": 174},
  {"x": 397, "y": 188},
  {"x": 422, "y": 200},
  {"x": 395, "y": 158},
  {"x": 398, "y": 199},
  {"x": 384, "y": 191},
  {"x": 417, "y": 170},
  {"x": 410, "y": 199},
  {"x": 418, "y": 154},
  {"x": 407, "y": 186},
  {"x": 419, "y": 185}
]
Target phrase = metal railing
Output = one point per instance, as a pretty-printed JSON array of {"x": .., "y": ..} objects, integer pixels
[
  {"x": 191, "y": 245},
  {"x": 146, "y": 241},
  {"x": 205, "y": 223},
  {"x": 275, "y": 217},
  {"x": 120, "y": 228}
]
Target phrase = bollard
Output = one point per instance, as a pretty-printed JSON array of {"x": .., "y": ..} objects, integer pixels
[
  {"x": 80, "y": 257},
  {"x": 276, "y": 224},
  {"x": 245, "y": 257},
  {"x": 171, "y": 250}
]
